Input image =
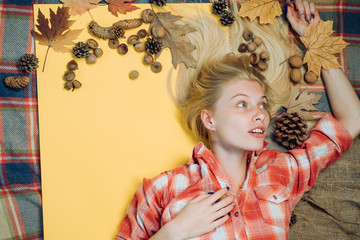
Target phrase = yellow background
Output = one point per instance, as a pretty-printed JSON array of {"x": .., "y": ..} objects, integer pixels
[{"x": 98, "y": 142}]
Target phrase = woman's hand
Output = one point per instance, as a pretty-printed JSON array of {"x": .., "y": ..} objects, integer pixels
[
  {"x": 201, "y": 215},
  {"x": 300, "y": 13}
]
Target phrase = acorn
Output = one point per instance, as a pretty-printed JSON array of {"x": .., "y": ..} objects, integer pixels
[
  {"x": 68, "y": 85},
  {"x": 254, "y": 58},
  {"x": 252, "y": 46},
  {"x": 133, "y": 39},
  {"x": 158, "y": 31},
  {"x": 257, "y": 40},
  {"x": 93, "y": 44},
  {"x": 156, "y": 67},
  {"x": 247, "y": 35},
  {"x": 264, "y": 56},
  {"x": 133, "y": 74},
  {"x": 98, "y": 52},
  {"x": 113, "y": 43},
  {"x": 148, "y": 58},
  {"x": 140, "y": 47},
  {"x": 262, "y": 65},
  {"x": 123, "y": 48},
  {"x": 69, "y": 75},
  {"x": 148, "y": 15},
  {"x": 243, "y": 48},
  {"x": 142, "y": 33},
  {"x": 295, "y": 75},
  {"x": 76, "y": 84},
  {"x": 91, "y": 59},
  {"x": 72, "y": 65},
  {"x": 296, "y": 61},
  {"x": 310, "y": 77}
]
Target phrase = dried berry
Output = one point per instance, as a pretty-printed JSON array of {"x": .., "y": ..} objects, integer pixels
[
  {"x": 296, "y": 61},
  {"x": 142, "y": 33},
  {"x": 133, "y": 39},
  {"x": 98, "y": 52},
  {"x": 158, "y": 31},
  {"x": 17, "y": 82},
  {"x": 262, "y": 65},
  {"x": 69, "y": 75},
  {"x": 254, "y": 58},
  {"x": 91, "y": 59},
  {"x": 148, "y": 59},
  {"x": 114, "y": 43},
  {"x": 295, "y": 75},
  {"x": 310, "y": 77},
  {"x": 252, "y": 46},
  {"x": 156, "y": 67},
  {"x": 148, "y": 15},
  {"x": 247, "y": 35},
  {"x": 243, "y": 48},
  {"x": 139, "y": 47},
  {"x": 133, "y": 74},
  {"x": 72, "y": 65},
  {"x": 93, "y": 44},
  {"x": 257, "y": 40},
  {"x": 123, "y": 48}
]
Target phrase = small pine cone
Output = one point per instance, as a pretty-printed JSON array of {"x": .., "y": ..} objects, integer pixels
[
  {"x": 29, "y": 63},
  {"x": 118, "y": 32},
  {"x": 291, "y": 130},
  {"x": 153, "y": 45},
  {"x": 227, "y": 18},
  {"x": 218, "y": 7},
  {"x": 159, "y": 3},
  {"x": 81, "y": 50}
]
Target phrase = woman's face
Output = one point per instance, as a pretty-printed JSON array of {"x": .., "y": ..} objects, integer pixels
[{"x": 240, "y": 116}]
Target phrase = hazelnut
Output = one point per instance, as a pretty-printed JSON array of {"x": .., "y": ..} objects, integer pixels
[
  {"x": 93, "y": 44},
  {"x": 98, "y": 52},
  {"x": 148, "y": 15},
  {"x": 133, "y": 74},
  {"x": 264, "y": 56},
  {"x": 156, "y": 67},
  {"x": 254, "y": 58},
  {"x": 142, "y": 33},
  {"x": 72, "y": 65},
  {"x": 310, "y": 77},
  {"x": 68, "y": 85},
  {"x": 76, "y": 84},
  {"x": 243, "y": 48},
  {"x": 113, "y": 43},
  {"x": 257, "y": 40},
  {"x": 139, "y": 47},
  {"x": 148, "y": 58},
  {"x": 295, "y": 75},
  {"x": 91, "y": 59},
  {"x": 69, "y": 76},
  {"x": 133, "y": 39},
  {"x": 123, "y": 48},
  {"x": 247, "y": 35},
  {"x": 158, "y": 31},
  {"x": 262, "y": 65},
  {"x": 296, "y": 61},
  {"x": 251, "y": 46}
]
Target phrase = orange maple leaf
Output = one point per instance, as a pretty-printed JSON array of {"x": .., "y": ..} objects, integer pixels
[
  {"x": 78, "y": 7},
  {"x": 321, "y": 47},
  {"x": 266, "y": 10},
  {"x": 121, "y": 6}
]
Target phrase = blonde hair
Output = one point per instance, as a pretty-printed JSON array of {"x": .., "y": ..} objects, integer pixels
[{"x": 219, "y": 62}]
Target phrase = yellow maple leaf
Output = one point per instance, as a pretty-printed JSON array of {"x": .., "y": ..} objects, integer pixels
[
  {"x": 321, "y": 47},
  {"x": 266, "y": 10}
]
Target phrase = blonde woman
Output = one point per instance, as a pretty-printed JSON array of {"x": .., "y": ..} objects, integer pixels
[{"x": 233, "y": 188}]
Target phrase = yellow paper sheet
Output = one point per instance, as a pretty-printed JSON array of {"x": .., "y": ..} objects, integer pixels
[{"x": 98, "y": 142}]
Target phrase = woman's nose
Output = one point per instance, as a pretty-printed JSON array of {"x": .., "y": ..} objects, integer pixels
[{"x": 259, "y": 115}]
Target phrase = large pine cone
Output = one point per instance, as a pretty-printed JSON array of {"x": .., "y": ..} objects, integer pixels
[
  {"x": 17, "y": 82},
  {"x": 291, "y": 130},
  {"x": 29, "y": 63}
]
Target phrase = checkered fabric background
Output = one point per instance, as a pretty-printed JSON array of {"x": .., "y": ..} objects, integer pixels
[{"x": 20, "y": 183}]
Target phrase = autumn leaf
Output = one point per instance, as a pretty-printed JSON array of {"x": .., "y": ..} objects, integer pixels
[
  {"x": 321, "y": 47},
  {"x": 180, "y": 50},
  {"x": 121, "y": 6},
  {"x": 302, "y": 102},
  {"x": 78, "y": 7},
  {"x": 266, "y": 10},
  {"x": 58, "y": 34}
]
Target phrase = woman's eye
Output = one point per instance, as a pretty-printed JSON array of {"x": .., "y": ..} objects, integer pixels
[
  {"x": 242, "y": 105},
  {"x": 263, "y": 105}
]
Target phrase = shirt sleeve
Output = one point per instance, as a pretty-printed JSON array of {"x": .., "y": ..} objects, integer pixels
[
  {"x": 326, "y": 142},
  {"x": 143, "y": 217}
]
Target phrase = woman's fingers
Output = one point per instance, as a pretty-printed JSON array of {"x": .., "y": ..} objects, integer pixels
[
  {"x": 300, "y": 7},
  {"x": 307, "y": 11},
  {"x": 217, "y": 195}
]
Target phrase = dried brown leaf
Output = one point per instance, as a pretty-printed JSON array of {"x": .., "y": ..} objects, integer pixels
[
  {"x": 121, "y": 6},
  {"x": 266, "y": 10},
  {"x": 78, "y": 7}
]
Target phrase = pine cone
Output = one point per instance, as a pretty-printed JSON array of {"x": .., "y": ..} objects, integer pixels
[
  {"x": 291, "y": 130},
  {"x": 218, "y": 7},
  {"x": 81, "y": 50},
  {"x": 153, "y": 45},
  {"x": 227, "y": 18},
  {"x": 118, "y": 32},
  {"x": 29, "y": 63},
  {"x": 159, "y": 3}
]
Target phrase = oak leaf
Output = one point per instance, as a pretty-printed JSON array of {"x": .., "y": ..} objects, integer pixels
[
  {"x": 321, "y": 47},
  {"x": 59, "y": 34},
  {"x": 121, "y": 6},
  {"x": 266, "y": 10},
  {"x": 180, "y": 50},
  {"x": 302, "y": 102},
  {"x": 78, "y": 7}
]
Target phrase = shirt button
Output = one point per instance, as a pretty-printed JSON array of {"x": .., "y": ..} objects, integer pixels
[
  {"x": 236, "y": 214},
  {"x": 275, "y": 197}
]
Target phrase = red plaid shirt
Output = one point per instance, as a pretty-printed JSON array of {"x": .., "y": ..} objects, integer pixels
[{"x": 274, "y": 183}]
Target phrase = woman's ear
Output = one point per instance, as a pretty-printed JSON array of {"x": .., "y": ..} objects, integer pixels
[{"x": 207, "y": 120}]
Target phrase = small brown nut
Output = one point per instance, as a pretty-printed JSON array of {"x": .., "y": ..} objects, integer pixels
[
  {"x": 264, "y": 56},
  {"x": 76, "y": 84},
  {"x": 91, "y": 59},
  {"x": 251, "y": 46},
  {"x": 257, "y": 40},
  {"x": 149, "y": 59},
  {"x": 123, "y": 48},
  {"x": 113, "y": 43},
  {"x": 142, "y": 33},
  {"x": 69, "y": 75},
  {"x": 68, "y": 85},
  {"x": 243, "y": 48},
  {"x": 296, "y": 61},
  {"x": 133, "y": 74},
  {"x": 310, "y": 77},
  {"x": 158, "y": 31},
  {"x": 295, "y": 75},
  {"x": 140, "y": 47},
  {"x": 93, "y": 44},
  {"x": 133, "y": 39},
  {"x": 247, "y": 35},
  {"x": 72, "y": 65},
  {"x": 98, "y": 52},
  {"x": 148, "y": 15},
  {"x": 254, "y": 58},
  {"x": 262, "y": 65},
  {"x": 156, "y": 67}
]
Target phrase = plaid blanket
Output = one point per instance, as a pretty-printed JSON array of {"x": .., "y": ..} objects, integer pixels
[{"x": 20, "y": 183}]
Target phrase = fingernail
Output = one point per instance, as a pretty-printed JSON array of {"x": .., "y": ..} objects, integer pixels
[
  {"x": 312, "y": 15},
  {"x": 287, "y": 7},
  {"x": 309, "y": 19},
  {"x": 210, "y": 193},
  {"x": 229, "y": 214},
  {"x": 227, "y": 188},
  {"x": 291, "y": 0}
]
